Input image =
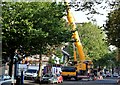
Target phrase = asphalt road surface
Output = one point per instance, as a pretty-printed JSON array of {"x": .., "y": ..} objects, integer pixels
[{"x": 109, "y": 81}]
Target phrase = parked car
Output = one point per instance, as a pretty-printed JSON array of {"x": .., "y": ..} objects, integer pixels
[
  {"x": 49, "y": 78},
  {"x": 60, "y": 78},
  {"x": 5, "y": 77},
  {"x": 103, "y": 74},
  {"x": 31, "y": 74},
  {"x": 5, "y": 80},
  {"x": 53, "y": 79},
  {"x": 115, "y": 75},
  {"x": 45, "y": 78},
  {"x": 108, "y": 75}
]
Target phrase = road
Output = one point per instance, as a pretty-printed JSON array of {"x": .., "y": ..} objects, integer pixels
[{"x": 109, "y": 81}]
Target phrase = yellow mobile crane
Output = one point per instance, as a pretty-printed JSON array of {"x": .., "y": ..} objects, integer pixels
[{"x": 80, "y": 68}]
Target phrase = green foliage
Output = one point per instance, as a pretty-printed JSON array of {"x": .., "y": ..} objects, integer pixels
[
  {"x": 33, "y": 26},
  {"x": 112, "y": 28},
  {"x": 92, "y": 39},
  {"x": 108, "y": 60},
  {"x": 51, "y": 61}
]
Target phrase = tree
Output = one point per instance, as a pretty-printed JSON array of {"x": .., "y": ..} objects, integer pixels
[
  {"x": 92, "y": 39},
  {"x": 112, "y": 29},
  {"x": 32, "y": 27},
  {"x": 108, "y": 60}
]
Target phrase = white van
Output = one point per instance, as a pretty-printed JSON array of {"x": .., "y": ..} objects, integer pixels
[{"x": 31, "y": 72}]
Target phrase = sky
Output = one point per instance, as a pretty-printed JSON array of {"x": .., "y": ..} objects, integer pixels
[{"x": 80, "y": 16}]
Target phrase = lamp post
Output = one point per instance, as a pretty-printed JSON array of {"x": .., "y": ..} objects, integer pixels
[{"x": 22, "y": 77}]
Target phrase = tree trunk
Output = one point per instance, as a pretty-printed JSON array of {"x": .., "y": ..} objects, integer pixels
[
  {"x": 11, "y": 62},
  {"x": 40, "y": 66}
]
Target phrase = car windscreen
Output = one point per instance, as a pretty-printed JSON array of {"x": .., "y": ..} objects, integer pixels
[
  {"x": 68, "y": 69},
  {"x": 31, "y": 71},
  {"x": 48, "y": 75},
  {"x": 58, "y": 75}
]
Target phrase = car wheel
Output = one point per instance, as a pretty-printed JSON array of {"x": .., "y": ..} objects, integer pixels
[{"x": 55, "y": 82}]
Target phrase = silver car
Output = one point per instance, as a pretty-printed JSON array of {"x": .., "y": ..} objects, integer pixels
[{"x": 49, "y": 78}]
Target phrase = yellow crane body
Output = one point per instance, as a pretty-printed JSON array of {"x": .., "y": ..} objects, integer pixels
[{"x": 82, "y": 64}]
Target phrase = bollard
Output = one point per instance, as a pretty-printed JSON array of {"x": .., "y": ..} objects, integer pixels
[{"x": 22, "y": 78}]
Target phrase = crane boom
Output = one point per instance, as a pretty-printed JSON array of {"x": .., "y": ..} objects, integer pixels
[
  {"x": 81, "y": 67},
  {"x": 76, "y": 38}
]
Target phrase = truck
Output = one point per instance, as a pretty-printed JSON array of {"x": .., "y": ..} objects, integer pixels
[{"x": 81, "y": 68}]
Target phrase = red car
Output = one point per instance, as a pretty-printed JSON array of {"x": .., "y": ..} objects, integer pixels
[{"x": 60, "y": 78}]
